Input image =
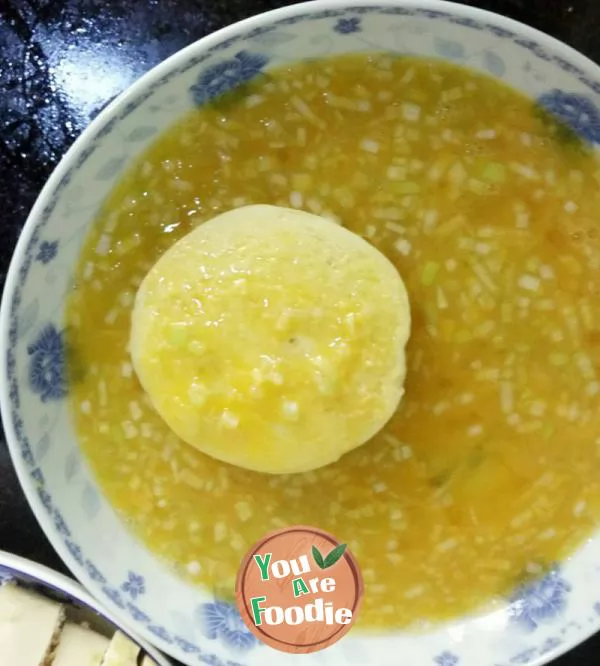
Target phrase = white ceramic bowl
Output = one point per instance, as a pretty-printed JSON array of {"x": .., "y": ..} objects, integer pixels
[
  {"x": 45, "y": 581},
  {"x": 538, "y": 622}
]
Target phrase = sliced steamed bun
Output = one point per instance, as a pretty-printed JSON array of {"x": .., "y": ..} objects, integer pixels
[
  {"x": 79, "y": 646},
  {"x": 272, "y": 339},
  {"x": 35, "y": 631},
  {"x": 29, "y": 626}
]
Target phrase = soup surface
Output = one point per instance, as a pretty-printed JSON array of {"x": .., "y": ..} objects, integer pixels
[{"x": 490, "y": 470}]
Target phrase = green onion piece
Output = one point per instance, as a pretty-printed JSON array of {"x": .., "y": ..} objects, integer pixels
[
  {"x": 494, "y": 172},
  {"x": 558, "y": 359},
  {"x": 408, "y": 187},
  {"x": 462, "y": 336},
  {"x": 548, "y": 431},
  {"x": 430, "y": 271},
  {"x": 477, "y": 186},
  {"x": 177, "y": 335}
]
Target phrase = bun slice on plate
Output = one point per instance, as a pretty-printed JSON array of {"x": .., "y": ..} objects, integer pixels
[{"x": 38, "y": 631}]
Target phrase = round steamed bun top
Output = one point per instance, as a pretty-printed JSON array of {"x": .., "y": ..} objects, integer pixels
[{"x": 272, "y": 339}]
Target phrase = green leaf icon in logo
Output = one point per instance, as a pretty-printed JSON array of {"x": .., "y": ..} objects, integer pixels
[
  {"x": 317, "y": 557},
  {"x": 331, "y": 559},
  {"x": 334, "y": 555}
]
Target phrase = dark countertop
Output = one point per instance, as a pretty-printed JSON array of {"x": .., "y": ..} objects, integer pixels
[{"x": 61, "y": 61}]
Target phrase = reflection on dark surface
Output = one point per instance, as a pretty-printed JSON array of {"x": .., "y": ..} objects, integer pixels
[{"x": 63, "y": 60}]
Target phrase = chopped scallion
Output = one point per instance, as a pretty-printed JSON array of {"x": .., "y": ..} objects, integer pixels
[
  {"x": 429, "y": 274},
  {"x": 494, "y": 172}
]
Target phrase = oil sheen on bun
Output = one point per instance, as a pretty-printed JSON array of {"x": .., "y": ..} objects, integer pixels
[{"x": 272, "y": 339}]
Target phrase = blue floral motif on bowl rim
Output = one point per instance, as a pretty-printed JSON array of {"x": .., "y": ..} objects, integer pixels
[
  {"x": 222, "y": 620},
  {"x": 539, "y": 601},
  {"x": 577, "y": 111},
  {"x": 446, "y": 658},
  {"x": 224, "y": 76},
  {"x": 47, "y": 372},
  {"x": 347, "y": 26},
  {"x": 134, "y": 586},
  {"x": 47, "y": 251}
]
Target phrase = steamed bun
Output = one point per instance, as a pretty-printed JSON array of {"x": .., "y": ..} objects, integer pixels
[{"x": 272, "y": 339}]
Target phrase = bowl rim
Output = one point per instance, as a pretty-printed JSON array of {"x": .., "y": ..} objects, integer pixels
[
  {"x": 54, "y": 579},
  {"x": 111, "y": 110}
]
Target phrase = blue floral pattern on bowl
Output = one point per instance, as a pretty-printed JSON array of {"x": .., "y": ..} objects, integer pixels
[
  {"x": 226, "y": 75},
  {"x": 577, "y": 112},
  {"x": 540, "y": 601},
  {"x": 222, "y": 620},
  {"x": 47, "y": 251},
  {"x": 134, "y": 586},
  {"x": 346, "y": 26},
  {"x": 186, "y": 621},
  {"x": 47, "y": 371},
  {"x": 446, "y": 659}
]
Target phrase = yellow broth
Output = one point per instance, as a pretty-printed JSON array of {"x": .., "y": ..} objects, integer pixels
[{"x": 490, "y": 470}]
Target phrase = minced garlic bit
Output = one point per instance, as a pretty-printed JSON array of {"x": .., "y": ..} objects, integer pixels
[
  {"x": 290, "y": 410},
  {"x": 194, "y": 568},
  {"x": 370, "y": 146},
  {"x": 529, "y": 282},
  {"x": 229, "y": 420}
]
